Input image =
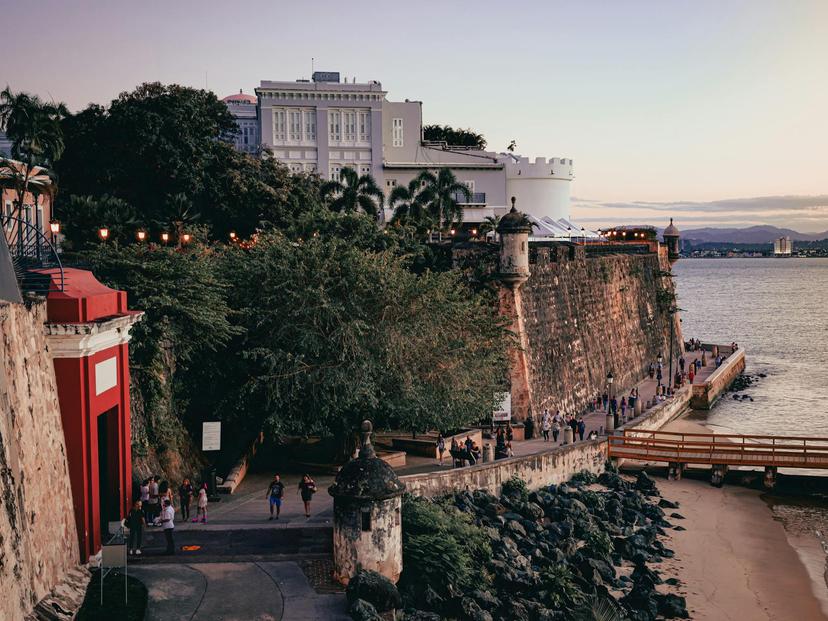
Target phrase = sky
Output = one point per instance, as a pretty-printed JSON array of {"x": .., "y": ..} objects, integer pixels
[{"x": 715, "y": 112}]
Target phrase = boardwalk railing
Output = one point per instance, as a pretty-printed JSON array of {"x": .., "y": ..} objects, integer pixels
[{"x": 724, "y": 449}]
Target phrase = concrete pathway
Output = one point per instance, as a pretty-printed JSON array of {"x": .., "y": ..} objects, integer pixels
[{"x": 266, "y": 591}]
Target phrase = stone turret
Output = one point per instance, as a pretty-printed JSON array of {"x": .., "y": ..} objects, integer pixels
[
  {"x": 514, "y": 231},
  {"x": 671, "y": 240},
  {"x": 367, "y": 528}
]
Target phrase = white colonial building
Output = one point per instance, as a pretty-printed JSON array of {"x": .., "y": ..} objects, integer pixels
[{"x": 325, "y": 124}]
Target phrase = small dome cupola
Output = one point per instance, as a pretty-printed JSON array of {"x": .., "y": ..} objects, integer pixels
[
  {"x": 514, "y": 229},
  {"x": 671, "y": 240}
]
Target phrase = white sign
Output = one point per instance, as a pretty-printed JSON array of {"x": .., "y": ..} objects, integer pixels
[
  {"x": 211, "y": 436},
  {"x": 503, "y": 411},
  {"x": 106, "y": 375}
]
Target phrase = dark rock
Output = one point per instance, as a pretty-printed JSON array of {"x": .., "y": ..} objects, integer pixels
[
  {"x": 671, "y": 606},
  {"x": 420, "y": 615},
  {"x": 375, "y": 589},
  {"x": 677, "y": 516},
  {"x": 679, "y": 527},
  {"x": 667, "y": 504},
  {"x": 363, "y": 611},
  {"x": 672, "y": 581},
  {"x": 645, "y": 484},
  {"x": 472, "y": 611},
  {"x": 485, "y": 599}
]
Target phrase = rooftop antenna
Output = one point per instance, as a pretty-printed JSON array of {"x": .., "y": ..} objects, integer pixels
[{"x": 311, "y": 66}]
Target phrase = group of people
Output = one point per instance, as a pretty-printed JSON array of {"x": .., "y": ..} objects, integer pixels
[
  {"x": 155, "y": 506},
  {"x": 461, "y": 454},
  {"x": 556, "y": 423},
  {"x": 276, "y": 494}
]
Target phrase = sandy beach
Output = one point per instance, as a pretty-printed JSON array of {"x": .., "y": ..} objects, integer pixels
[{"x": 734, "y": 560}]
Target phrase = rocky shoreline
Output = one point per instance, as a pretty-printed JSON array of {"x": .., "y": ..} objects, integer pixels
[{"x": 584, "y": 549}]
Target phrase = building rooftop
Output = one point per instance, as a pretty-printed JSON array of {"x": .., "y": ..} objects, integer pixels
[{"x": 241, "y": 97}]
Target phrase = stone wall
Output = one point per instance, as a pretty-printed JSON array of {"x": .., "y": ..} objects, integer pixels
[
  {"x": 706, "y": 393},
  {"x": 554, "y": 466},
  {"x": 580, "y": 318},
  {"x": 37, "y": 526}
]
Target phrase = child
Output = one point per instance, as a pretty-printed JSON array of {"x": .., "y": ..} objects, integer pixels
[
  {"x": 135, "y": 522},
  {"x": 202, "y": 505}
]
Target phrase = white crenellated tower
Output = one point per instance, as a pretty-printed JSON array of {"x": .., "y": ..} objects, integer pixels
[{"x": 542, "y": 187}]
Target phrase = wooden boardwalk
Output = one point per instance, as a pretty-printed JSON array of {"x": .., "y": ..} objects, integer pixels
[{"x": 721, "y": 449}]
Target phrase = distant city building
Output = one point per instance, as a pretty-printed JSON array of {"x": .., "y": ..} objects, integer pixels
[
  {"x": 782, "y": 247},
  {"x": 245, "y": 110},
  {"x": 325, "y": 124}
]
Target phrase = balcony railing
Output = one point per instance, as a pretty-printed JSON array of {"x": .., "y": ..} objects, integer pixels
[
  {"x": 35, "y": 259},
  {"x": 474, "y": 198}
]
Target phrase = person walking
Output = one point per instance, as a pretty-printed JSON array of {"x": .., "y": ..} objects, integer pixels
[
  {"x": 441, "y": 446},
  {"x": 652, "y": 370},
  {"x": 201, "y": 509},
  {"x": 307, "y": 488},
  {"x": 168, "y": 524},
  {"x": 185, "y": 498},
  {"x": 623, "y": 409},
  {"x": 143, "y": 492},
  {"x": 154, "y": 499},
  {"x": 691, "y": 375},
  {"x": 135, "y": 523},
  {"x": 581, "y": 428},
  {"x": 275, "y": 492},
  {"x": 546, "y": 425},
  {"x": 659, "y": 376}
]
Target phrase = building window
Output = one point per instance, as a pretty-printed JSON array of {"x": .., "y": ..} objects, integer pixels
[
  {"x": 364, "y": 126},
  {"x": 364, "y": 170},
  {"x": 334, "y": 129},
  {"x": 311, "y": 168},
  {"x": 469, "y": 183},
  {"x": 295, "y": 125},
  {"x": 390, "y": 183},
  {"x": 336, "y": 170},
  {"x": 396, "y": 132},
  {"x": 279, "y": 133},
  {"x": 39, "y": 217},
  {"x": 310, "y": 125},
  {"x": 296, "y": 168},
  {"x": 350, "y": 126}
]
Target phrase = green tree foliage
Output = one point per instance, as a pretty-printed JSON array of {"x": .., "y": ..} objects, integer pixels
[
  {"x": 83, "y": 216},
  {"x": 351, "y": 193},
  {"x": 442, "y": 548},
  {"x": 453, "y": 137},
  {"x": 410, "y": 204},
  {"x": 443, "y": 191},
  {"x": 163, "y": 150},
  {"x": 335, "y": 334}
]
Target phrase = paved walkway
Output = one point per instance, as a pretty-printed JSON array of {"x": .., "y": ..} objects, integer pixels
[{"x": 264, "y": 591}]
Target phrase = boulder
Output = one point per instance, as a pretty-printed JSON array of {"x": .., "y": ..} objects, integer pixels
[
  {"x": 363, "y": 611},
  {"x": 667, "y": 504},
  {"x": 645, "y": 484},
  {"x": 375, "y": 589},
  {"x": 671, "y": 606}
]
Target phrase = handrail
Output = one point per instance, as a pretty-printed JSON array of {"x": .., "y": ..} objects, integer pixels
[
  {"x": 28, "y": 256},
  {"x": 724, "y": 435}
]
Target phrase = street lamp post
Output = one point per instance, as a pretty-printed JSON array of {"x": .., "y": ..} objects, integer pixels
[
  {"x": 610, "y": 419},
  {"x": 672, "y": 314}
]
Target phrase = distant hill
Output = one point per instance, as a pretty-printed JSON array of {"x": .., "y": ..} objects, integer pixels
[{"x": 751, "y": 235}]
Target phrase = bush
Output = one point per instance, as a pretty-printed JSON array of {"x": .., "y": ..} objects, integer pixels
[
  {"x": 441, "y": 548},
  {"x": 515, "y": 487}
]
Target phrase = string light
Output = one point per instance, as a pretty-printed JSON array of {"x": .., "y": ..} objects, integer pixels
[
  {"x": 103, "y": 233},
  {"x": 141, "y": 235},
  {"x": 232, "y": 235},
  {"x": 185, "y": 238},
  {"x": 165, "y": 237}
]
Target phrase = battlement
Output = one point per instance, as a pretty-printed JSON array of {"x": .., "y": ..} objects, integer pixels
[{"x": 541, "y": 167}]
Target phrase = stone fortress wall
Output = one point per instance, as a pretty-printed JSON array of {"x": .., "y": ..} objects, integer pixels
[
  {"x": 37, "y": 525},
  {"x": 582, "y": 317}
]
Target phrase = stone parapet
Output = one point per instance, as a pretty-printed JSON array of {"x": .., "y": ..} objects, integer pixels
[{"x": 706, "y": 393}]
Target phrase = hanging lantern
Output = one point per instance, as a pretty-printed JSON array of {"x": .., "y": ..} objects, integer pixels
[
  {"x": 185, "y": 238},
  {"x": 54, "y": 226},
  {"x": 165, "y": 237},
  {"x": 103, "y": 233},
  {"x": 141, "y": 235}
]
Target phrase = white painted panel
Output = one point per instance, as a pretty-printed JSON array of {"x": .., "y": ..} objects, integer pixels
[
  {"x": 211, "y": 436},
  {"x": 106, "y": 375}
]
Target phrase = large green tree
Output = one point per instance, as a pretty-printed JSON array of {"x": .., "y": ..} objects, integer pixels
[
  {"x": 164, "y": 150},
  {"x": 444, "y": 190},
  {"x": 334, "y": 333},
  {"x": 410, "y": 204}
]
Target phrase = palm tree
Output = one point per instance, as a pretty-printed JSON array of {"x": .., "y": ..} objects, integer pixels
[
  {"x": 33, "y": 127},
  {"x": 489, "y": 225},
  {"x": 410, "y": 204},
  {"x": 444, "y": 191},
  {"x": 353, "y": 193}
]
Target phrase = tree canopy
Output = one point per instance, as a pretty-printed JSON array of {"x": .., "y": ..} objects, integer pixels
[{"x": 454, "y": 137}]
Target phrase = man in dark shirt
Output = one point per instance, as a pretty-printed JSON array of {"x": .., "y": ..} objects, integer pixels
[
  {"x": 185, "y": 496},
  {"x": 135, "y": 523},
  {"x": 275, "y": 492}
]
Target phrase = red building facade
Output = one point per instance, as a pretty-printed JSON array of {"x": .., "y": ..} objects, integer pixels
[{"x": 88, "y": 334}]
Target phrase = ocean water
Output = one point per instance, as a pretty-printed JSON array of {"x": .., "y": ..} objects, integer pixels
[{"x": 777, "y": 310}]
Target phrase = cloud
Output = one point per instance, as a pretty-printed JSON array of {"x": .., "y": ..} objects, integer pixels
[{"x": 802, "y": 213}]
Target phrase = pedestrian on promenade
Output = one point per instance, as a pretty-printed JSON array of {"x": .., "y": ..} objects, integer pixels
[
  {"x": 168, "y": 523},
  {"x": 154, "y": 499},
  {"x": 510, "y": 434},
  {"x": 185, "y": 498},
  {"x": 202, "y": 504},
  {"x": 275, "y": 491},
  {"x": 659, "y": 376},
  {"x": 652, "y": 370},
  {"x": 681, "y": 362},
  {"x": 573, "y": 424},
  {"x": 556, "y": 430},
  {"x": 624, "y": 408},
  {"x": 581, "y": 428},
  {"x": 605, "y": 400},
  {"x": 546, "y": 425},
  {"x": 143, "y": 492},
  {"x": 690, "y": 374},
  {"x": 135, "y": 523},
  {"x": 307, "y": 488},
  {"x": 441, "y": 446}
]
